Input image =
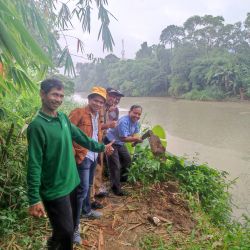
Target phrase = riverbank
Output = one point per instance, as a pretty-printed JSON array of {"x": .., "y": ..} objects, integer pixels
[
  {"x": 168, "y": 207},
  {"x": 201, "y": 188},
  {"x": 228, "y": 99},
  {"x": 213, "y": 132}
]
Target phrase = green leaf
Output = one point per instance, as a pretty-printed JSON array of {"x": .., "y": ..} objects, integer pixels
[
  {"x": 10, "y": 43},
  {"x": 30, "y": 42},
  {"x": 160, "y": 132}
]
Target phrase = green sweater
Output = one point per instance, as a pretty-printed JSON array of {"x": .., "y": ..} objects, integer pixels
[{"x": 52, "y": 171}]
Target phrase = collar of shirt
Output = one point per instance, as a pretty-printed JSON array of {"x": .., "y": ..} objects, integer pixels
[{"x": 48, "y": 117}]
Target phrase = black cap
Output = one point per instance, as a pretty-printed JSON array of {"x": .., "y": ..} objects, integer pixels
[{"x": 114, "y": 92}]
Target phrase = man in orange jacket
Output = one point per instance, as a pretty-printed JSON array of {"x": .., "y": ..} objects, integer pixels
[{"x": 88, "y": 120}]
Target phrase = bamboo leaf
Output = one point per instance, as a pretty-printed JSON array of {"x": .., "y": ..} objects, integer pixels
[
  {"x": 80, "y": 46},
  {"x": 34, "y": 47},
  {"x": 10, "y": 43}
]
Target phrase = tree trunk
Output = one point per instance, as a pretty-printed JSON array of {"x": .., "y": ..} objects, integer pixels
[{"x": 241, "y": 94}]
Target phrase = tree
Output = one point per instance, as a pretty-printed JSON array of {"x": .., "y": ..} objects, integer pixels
[
  {"x": 247, "y": 27},
  {"x": 203, "y": 32},
  {"x": 144, "y": 52},
  {"x": 210, "y": 62},
  {"x": 111, "y": 58},
  {"x": 172, "y": 35},
  {"x": 210, "y": 32},
  {"x": 190, "y": 27}
]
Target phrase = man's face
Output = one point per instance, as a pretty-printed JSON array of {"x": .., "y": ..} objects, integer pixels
[
  {"x": 111, "y": 99},
  {"x": 96, "y": 103},
  {"x": 135, "y": 114},
  {"x": 117, "y": 100},
  {"x": 53, "y": 99}
]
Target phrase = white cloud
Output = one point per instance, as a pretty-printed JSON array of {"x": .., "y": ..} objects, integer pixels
[{"x": 143, "y": 20}]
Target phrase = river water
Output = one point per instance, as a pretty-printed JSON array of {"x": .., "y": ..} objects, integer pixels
[{"x": 214, "y": 132}]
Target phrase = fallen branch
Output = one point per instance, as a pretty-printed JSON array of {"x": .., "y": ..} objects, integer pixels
[
  {"x": 100, "y": 240},
  {"x": 164, "y": 219},
  {"x": 124, "y": 243},
  {"x": 113, "y": 222},
  {"x": 135, "y": 226},
  {"x": 121, "y": 233}
]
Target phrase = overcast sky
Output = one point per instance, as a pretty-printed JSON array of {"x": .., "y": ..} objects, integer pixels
[{"x": 143, "y": 20}]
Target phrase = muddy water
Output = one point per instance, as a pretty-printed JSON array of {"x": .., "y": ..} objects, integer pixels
[{"x": 215, "y": 132}]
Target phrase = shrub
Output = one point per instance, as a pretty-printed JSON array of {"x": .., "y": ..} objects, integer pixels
[
  {"x": 208, "y": 94},
  {"x": 207, "y": 184}
]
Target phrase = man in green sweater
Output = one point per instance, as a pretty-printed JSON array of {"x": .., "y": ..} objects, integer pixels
[{"x": 52, "y": 175}]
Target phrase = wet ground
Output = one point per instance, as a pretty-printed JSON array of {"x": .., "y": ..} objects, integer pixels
[{"x": 126, "y": 220}]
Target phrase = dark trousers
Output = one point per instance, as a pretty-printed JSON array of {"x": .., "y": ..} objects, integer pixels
[
  {"x": 118, "y": 164},
  {"x": 61, "y": 213}
]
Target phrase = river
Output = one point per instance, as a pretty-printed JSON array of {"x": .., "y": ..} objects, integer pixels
[{"x": 214, "y": 132}]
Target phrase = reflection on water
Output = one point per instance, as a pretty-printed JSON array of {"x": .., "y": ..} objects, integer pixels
[{"x": 217, "y": 131}]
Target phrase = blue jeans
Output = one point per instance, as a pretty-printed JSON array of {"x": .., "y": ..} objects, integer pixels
[{"x": 86, "y": 170}]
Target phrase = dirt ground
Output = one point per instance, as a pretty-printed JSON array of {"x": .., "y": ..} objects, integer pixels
[{"x": 126, "y": 220}]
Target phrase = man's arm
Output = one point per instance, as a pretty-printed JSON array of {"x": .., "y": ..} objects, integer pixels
[
  {"x": 112, "y": 123},
  {"x": 125, "y": 133},
  {"x": 132, "y": 138},
  {"x": 82, "y": 139},
  {"x": 109, "y": 124},
  {"x": 35, "y": 157}
]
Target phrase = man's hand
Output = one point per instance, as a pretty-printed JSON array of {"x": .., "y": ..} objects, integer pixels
[
  {"x": 109, "y": 149},
  {"x": 137, "y": 140},
  {"x": 112, "y": 124},
  {"x": 37, "y": 210}
]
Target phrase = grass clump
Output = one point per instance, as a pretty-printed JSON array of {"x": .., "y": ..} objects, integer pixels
[
  {"x": 207, "y": 190},
  {"x": 209, "y": 186}
]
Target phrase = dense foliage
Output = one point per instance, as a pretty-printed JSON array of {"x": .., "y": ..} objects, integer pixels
[
  {"x": 30, "y": 30},
  {"x": 204, "y": 59}
]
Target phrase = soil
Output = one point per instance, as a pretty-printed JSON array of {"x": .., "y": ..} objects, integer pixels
[{"x": 159, "y": 210}]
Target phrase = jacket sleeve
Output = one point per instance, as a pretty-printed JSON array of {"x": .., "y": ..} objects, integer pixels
[
  {"x": 82, "y": 139},
  {"x": 36, "y": 142}
]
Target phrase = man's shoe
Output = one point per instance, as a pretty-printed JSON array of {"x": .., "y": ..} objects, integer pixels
[
  {"x": 96, "y": 205},
  {"x": 101, "y": 194},
  {"x": 124, "y": 179},
  {"x": 51, "y": 244},
  {"x": 92, "y": 215},
  {"x": 76, "y": 237},
  {"x": 119, "y": 192}
]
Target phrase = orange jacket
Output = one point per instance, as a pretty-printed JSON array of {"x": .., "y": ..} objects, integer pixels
[{"x": 81, "y": 117}]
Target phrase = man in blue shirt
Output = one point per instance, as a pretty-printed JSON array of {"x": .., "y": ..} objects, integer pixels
[{"x": 119, "y": 162}]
